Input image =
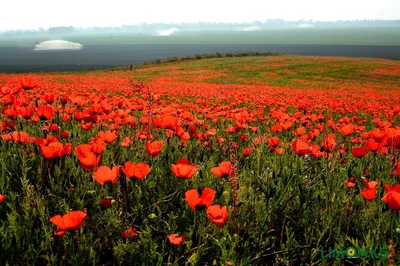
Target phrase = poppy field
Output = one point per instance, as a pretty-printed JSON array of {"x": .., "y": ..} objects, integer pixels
[{"x": 223, "y": 161}]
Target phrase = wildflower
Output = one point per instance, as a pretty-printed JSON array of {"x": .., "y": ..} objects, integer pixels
[
  {"x": 223, "y": 170},
  {"x": 359, "y": 152},
  {"x": 104, "y": 174},
  {"x": 28, "y": 83},
  {"x": 300, "y": 147},
  {"x": 217, "y": 214},
  {"x": 370, "y": 189},
  {"x": 45, "y": 112},
  {"x": 107, "y": 137},
  {"x": 182, "y": 169},
  {"x": 130, "y": 233},
  {"x": 246, "y": 152},
  {"x": 86, "y": 156},
  {"x": 154, "y": 148},
  {"x": 273, "y": 142},
  {"x": 139, "y": 171},
  {"x": 197, "y": 202},
  {"x": 392, "y": 196},
  {"x": 55, "y": 150},
  {"x": 71, "y": 221},
  {"x": 176, "y": 239},
  {"x": 350, "y": 183},
  {"x": 106, "y": 203}
]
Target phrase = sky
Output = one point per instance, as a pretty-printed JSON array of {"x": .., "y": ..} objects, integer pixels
[{"x": 32, "y": 14}]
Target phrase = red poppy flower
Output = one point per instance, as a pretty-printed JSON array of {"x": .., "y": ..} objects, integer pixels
[
  {"x": 273, "y": 142},
  {"x": 392, "y": 196},
  {"x": 246, "y": 152},
  {"x": 49, "y": 98},
  {"x": 176, "y": 239},
  {"x": 26, "y": 112},
  {"x": 280, "y": 151},
  {"x": 217, "y": 214},
  {"x": 359, "y": 152},
  {"x": 369, "y": 184},
  {"x": 244, "y": 137},
  {"x": 183, "y": 135},
  {"x": 154, "y": 148},
  {"x": 368, "y": 194},
  {"x": 169, "y": 133},
  {"x": 59, "y": 233},
  {"x": 2, "y": 198},
  {"x": 98, "y": 145},
  {"x": 182, "y": 169},
  {"x": 108, "y": 136},
  {"x": 130, "y": 233},
  {"x": 139, "y": 171},
  {"x": 104, "y": 174},
  {"x": 300, "y": 147},
  {"x": 287, "y": 125},
  {"x": 377, "y": 134},
  {"x": 196, "y": 202},
  {"x": 126, "y": 142},
  {"x": 350, "y": 183},
  {"x": 86, "y": 127},
  {"x": 85, "y": 155},
  {"x": 106, "y": 203},
  {"x": 70, "y": 221},
  {"x": 45, "y": 112},
  {"x": 168, "y": 122},
  {"x": 55, "y": 150},
  {"x": 370, "y": 189},
  {"x": 19, "y": 137},
  {"x": 372, "y": 145},
  {"x": 223, "y": 170},
  {"x": 347, "y": 130},
  {"x": 329, "y": 143},
  {"x": 64, "y": 134},
  {"x": 396, "y": 171},
  {"x": 28, "y": 83}
]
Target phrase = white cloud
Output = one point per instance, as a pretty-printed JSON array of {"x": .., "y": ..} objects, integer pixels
[
  {"x": 166, "y": 32},
  {"x": 305, "y": 25},
  {"x": 254, "y": 28},
  {"x": 57, "y": 45}
]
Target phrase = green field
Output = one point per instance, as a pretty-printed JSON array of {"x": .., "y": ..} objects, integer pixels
[{"x": 354, "y": 36}]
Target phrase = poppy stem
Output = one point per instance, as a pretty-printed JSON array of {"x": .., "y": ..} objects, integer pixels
[
  {"x": 45, "y": 175},
  {"x": 166, "y": 153},
  {"x": 233, "y": 181},
  {"x": 78, "y": 240},
  {"x": 124, "y": 192}
]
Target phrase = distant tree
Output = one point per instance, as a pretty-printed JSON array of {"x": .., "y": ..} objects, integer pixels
[{"x": 59, "y": 31}]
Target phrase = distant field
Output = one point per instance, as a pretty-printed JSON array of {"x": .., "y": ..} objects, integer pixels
[
  {"x": 23, "y": 59},
  {"x": 355, "y": 36},
  {"x": 290, "y": 71}
]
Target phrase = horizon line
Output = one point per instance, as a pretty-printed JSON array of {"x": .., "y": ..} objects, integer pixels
[{"x": 203, "y": 22}]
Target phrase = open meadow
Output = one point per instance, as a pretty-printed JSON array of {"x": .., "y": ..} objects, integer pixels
[{"x": 267, "y": 160}]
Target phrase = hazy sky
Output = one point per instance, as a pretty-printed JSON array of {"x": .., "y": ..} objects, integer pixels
[{"x": 31, "y": 14}]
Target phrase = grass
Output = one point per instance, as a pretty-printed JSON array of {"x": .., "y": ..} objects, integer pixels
[{"x": 286, "y": 70}]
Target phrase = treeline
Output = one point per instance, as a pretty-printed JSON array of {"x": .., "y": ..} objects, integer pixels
[
  {"x": 205, "y": 26},
  {"x": 212, "y": 55}
]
